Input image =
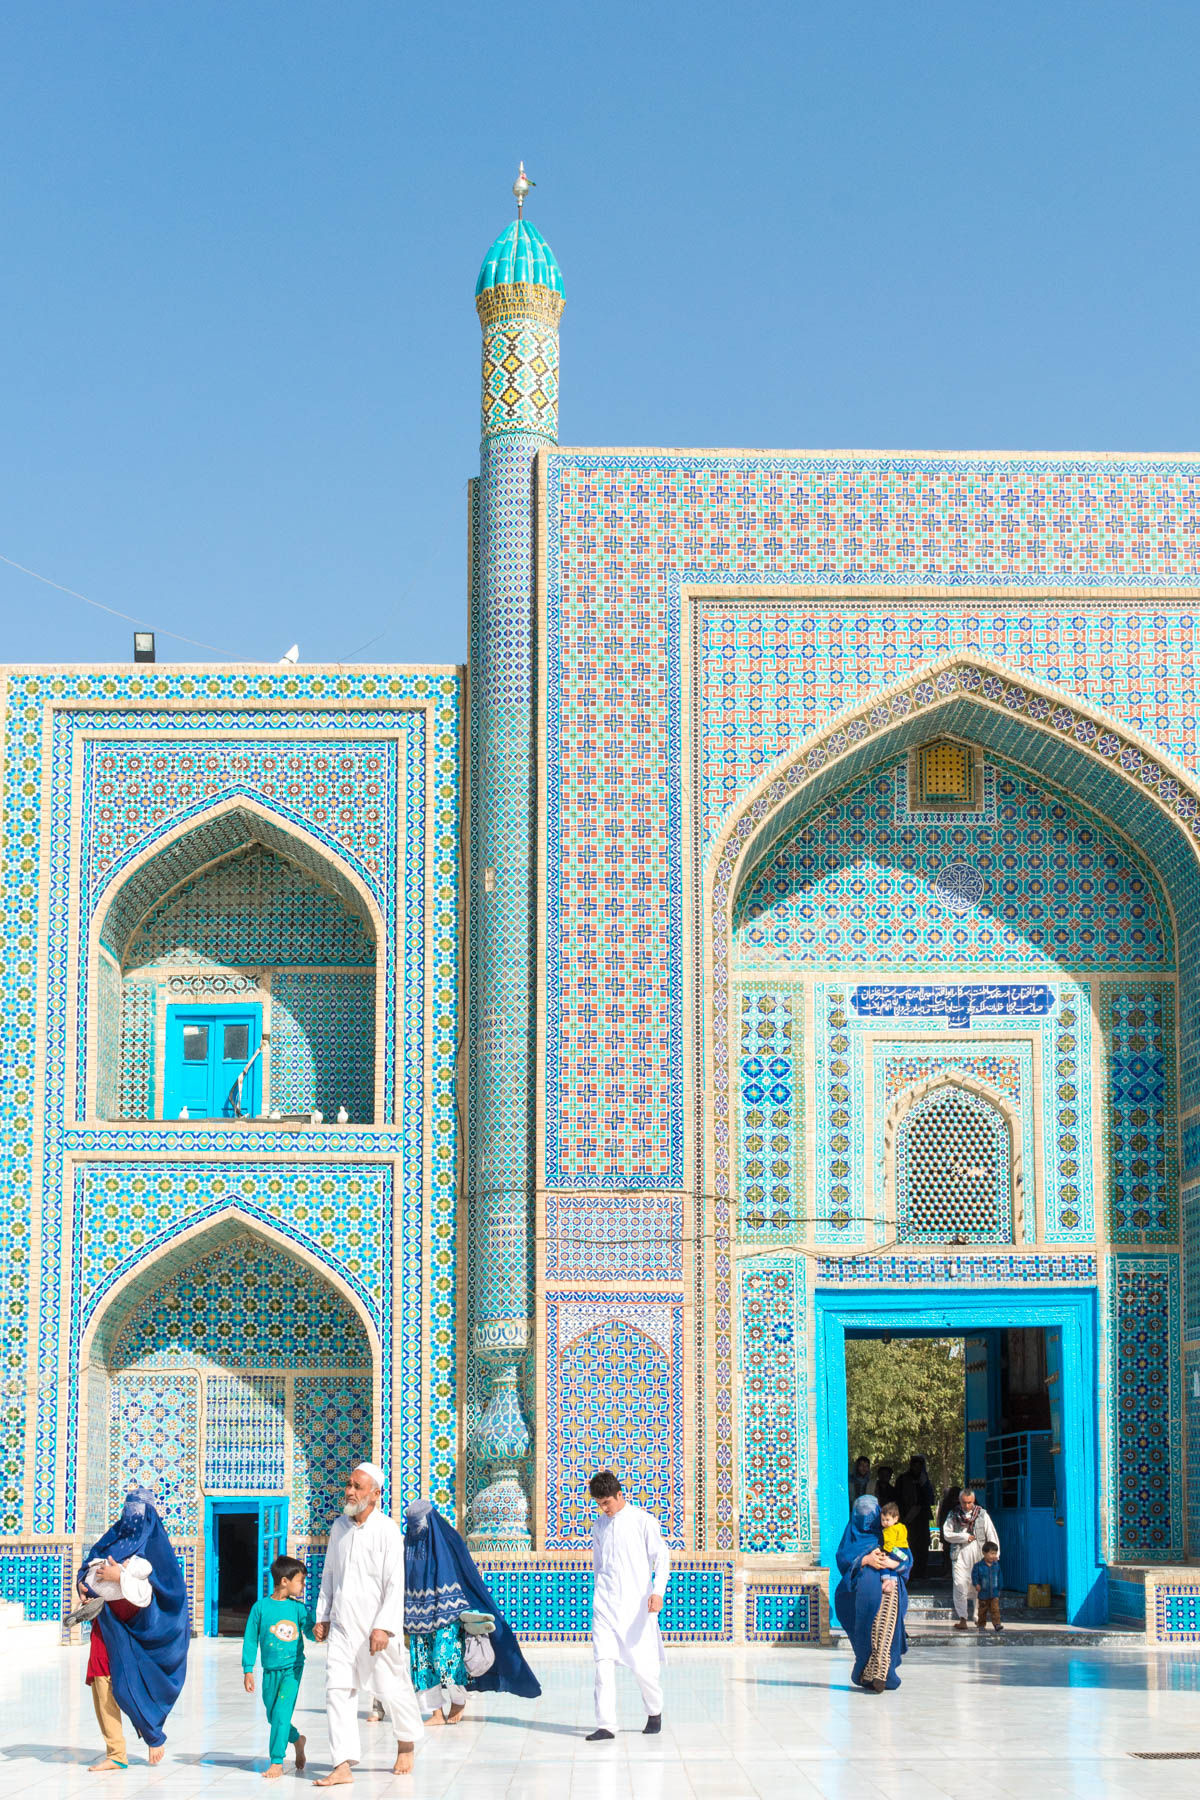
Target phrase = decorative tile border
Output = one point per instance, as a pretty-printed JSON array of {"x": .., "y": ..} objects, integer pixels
[{"x": 785, "y": 1612}]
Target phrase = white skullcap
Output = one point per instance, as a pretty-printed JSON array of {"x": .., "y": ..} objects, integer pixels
[{"x": 371, "y": 1469}]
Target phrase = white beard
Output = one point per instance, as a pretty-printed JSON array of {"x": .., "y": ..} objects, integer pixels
[{"x": 352, "y": 1508}]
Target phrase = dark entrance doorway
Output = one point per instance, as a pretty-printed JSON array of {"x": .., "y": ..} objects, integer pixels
[{"x": 241, "y": 1540}]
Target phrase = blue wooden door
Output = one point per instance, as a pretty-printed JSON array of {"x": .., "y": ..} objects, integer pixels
[
  {"x": 272, "y": 1540},
  {"x": 978, "y": 1407},
  {"x": 207, "y": 1050}
]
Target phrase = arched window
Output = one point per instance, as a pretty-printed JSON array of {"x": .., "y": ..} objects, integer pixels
[{"x": 955, "y": 1173}]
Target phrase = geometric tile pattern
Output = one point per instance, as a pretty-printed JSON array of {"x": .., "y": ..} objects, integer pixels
[
  {"x": 1191, "y": 1382},
  {"x": 132, "y": 1055},
  {"x": 323, "y": 1042},
  {"x": 957, "y": 1271},
  {"x": 770, "y": 1115},
  {"x": 1138, "y": 1023},
  {"x": 254, "y": 909},
  {"x": 552, "y": 1603},
  {"x": 773, "y": 1405},
  {"x": 245, "y": 1304},
  {"x": 1040, "y": 883},
  {"x": 331, "y": 1430},
  {"x": 783, "y": 1614},
  {"x": 153, "y": 1442},
  {"x": 1176, "y": 1614},
  {"x": 953, "y": 1170},
  {"x": 616, "y": 1402},
  {"x": 1145, "y": 1433},
  {"x": 40, "y": 1577},
  {"x": 102, "y": 769},
  {"x": 1190, "y": 1207},
  {"x": 635, "y": 1236},
  {"x": 243, "y": 1435}
]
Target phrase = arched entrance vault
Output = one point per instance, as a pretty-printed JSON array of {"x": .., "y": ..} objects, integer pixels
[
  {"x": 1079, "y": 752},
  {"x": 232, "y": 1371}
]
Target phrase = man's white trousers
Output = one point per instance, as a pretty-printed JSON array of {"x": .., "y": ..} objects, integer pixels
[
  {"x": 606, "y": 1693},
  {"x": 393, "y": 1688},
  {"x": 964, "y": 1561}
]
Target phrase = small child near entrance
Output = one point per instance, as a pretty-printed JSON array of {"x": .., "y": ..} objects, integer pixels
[
  {"x": 276, "y": 1630},
  {"x": 988, "y": 1582}
]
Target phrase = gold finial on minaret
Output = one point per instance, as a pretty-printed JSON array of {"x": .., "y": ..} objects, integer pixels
[{"x": 521, "y": 187}]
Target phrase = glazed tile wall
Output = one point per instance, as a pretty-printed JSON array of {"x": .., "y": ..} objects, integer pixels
[
  {"x": 616, "y": 1401},
  {"x": 1031, "y": 883},
  {"x": 323, "y": 1042},
  {"x": 115, "y": 764},
  {"x": 1140, "y": 1130},
  {"x": 1145, "y": 1436},
  {"x": 773, "y": 1405}
]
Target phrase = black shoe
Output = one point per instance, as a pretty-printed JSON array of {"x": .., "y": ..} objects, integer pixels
[
  {"x": 598, "y": 1737},
  {"x": 653, "y": 1725}
]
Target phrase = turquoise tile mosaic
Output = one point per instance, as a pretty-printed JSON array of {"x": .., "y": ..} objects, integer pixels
[
  {"x": 617, "y": 1402},
  {"x": 783, "y": 1613},
  {"x": 1177, "y": 1614},
  {"x": 130, "y": 782},
  {"x": 1146, "y": 1437},
  {"x": 553, "y": 1603},
  {"x": 773, "y": 1405}
]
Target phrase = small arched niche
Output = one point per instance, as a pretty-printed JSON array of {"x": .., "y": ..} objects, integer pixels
[{"x": 234, "y": 975}]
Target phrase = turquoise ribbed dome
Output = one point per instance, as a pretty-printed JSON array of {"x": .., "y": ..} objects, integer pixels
[{"x": 520, "y": 253}]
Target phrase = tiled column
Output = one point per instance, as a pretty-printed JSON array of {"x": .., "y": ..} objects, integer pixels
[{"x": 520, "y": 417}]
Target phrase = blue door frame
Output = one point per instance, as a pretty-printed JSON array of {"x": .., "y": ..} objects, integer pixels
[
  {"x": 272, "y": 1516},
  {"x": 1070, "y": 1312}
]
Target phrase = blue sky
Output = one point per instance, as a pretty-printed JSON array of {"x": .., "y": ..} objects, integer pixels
[{"x": 240, "y": 356}]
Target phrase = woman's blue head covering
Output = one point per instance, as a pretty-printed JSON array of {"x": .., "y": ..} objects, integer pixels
[
  {"x": 147, "y": 1653},
  {"x": 864, "y": 1531},
  {"x": 441, "y": 1582}
]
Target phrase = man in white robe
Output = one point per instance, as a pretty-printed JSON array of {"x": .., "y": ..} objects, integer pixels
[
  {"x": 631, "y": 1565},
  {"x": 966, "y": 1530},
  {"x": 361, "y": 1614}
]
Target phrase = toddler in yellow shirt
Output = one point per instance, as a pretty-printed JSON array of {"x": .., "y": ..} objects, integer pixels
[{"x": 895, "y": 1535}]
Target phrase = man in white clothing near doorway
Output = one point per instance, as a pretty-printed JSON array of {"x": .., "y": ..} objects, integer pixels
[
  {"x": 361, "y": 1614},
  {"x": 966, "y": 1530},
  {"x": 631, "y": 1565}
]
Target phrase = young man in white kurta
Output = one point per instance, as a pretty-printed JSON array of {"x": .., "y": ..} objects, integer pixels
[
  {"x": 965, "y": 1537},
  {"x": 361, "y": 1614},
  {"x": 631, "y": 1565}
]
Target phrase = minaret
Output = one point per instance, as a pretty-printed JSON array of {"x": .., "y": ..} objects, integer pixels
[{"x": 519, "y": 299}]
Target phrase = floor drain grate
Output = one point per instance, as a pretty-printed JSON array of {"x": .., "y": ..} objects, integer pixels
[{"x": 1166, "y": 1755}]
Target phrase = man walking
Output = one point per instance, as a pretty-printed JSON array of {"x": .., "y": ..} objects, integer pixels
[
  {"x": 361, "y": 1613},
  {"x": 966, "y": 1530},
  {"x": 631, "y": 1565}
]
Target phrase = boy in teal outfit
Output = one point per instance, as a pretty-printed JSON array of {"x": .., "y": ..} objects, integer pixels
[{"x": 276, "y": 1630}]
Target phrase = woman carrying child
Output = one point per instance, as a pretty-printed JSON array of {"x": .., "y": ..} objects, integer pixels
[{"x": 871, "y": 1598}]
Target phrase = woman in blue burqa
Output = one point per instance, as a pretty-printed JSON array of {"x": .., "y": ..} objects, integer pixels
[
  {"x": 871, "y": 1598},
  {"x": 441, "y": 1583},
  {"x": 132, "y": 1587}
]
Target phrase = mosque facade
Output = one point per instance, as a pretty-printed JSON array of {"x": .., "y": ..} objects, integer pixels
[{"x": 784, "y": 930}]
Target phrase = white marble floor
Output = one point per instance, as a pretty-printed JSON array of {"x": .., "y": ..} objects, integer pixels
[{"x": 970, "y": 1720}]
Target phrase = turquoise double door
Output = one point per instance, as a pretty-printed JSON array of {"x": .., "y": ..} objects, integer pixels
[
  {"x": 209, "y": 1050},
  {"x": 242, "y": 1538}
]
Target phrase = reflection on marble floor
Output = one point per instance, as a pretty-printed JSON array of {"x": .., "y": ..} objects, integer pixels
[{"x": 970, "y": 1720}]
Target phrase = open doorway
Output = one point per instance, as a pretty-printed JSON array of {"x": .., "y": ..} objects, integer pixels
[
  {"x": 906, "y": 1398},
  {"x": 241, "y": 1540},
  {"x": 1028, "y": 1365}
]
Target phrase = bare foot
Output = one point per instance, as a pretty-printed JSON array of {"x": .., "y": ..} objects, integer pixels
[
  {"x": 339, "y": 1777},
  {"x": 104, "y": 1765},
  {"x": 456, "y": 1713},
  {"x": 301, "y": 1759},
  {"x": 436, "y": 1717},
  {"x": 156, "y": 1753},
  {"x": 404, "y": 1760},
  {"x": 272, "y": 1772}
]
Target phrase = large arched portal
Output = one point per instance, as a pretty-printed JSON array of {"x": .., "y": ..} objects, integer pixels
[
  {"x": 237, "y": 1384},
  {"x": 953, "y": 951}
]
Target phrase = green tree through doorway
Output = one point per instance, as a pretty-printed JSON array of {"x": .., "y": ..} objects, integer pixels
[{"x": 906, "y": 1397}]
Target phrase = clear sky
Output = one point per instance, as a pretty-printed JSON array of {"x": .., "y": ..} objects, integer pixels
[{"x": 239, "y": 393}]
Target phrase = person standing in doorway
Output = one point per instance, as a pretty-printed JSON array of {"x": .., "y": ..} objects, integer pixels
[
  {"x": 916, "y": 1499},
  {"x": 631, "y": 1565},
  {"x": 361, "y": 1613},
  {"x": 860, "y": 1479},
  {"x": 967, "y": 1529}
]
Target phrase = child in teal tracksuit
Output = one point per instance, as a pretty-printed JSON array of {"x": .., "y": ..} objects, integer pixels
[{"x": 276, "y": 1630}]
